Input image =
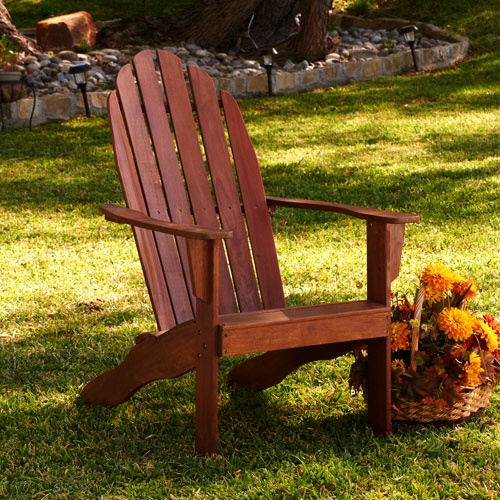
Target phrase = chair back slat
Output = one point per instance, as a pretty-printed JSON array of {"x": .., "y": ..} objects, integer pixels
[
  {"x": 255, "y": 206},
  {"x": 134, "y": 198},
  {"x": 154, "y": 198},
  {"x": 192, "y": 161},
  {"x": 224, "y": 186},
  {"x": 167, "y": 163}
]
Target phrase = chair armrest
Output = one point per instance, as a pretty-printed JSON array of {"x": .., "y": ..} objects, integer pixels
[
  {"x": 368, "y": 214},
  {"x": 124, "y": 215}
]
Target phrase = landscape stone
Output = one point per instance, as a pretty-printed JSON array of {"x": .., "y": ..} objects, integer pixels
[
  {"x": 359, "y": 58},
  {"x": 67, "y": 31}
]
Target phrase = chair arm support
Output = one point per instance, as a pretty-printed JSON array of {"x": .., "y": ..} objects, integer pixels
[
  {"x": 369, "y": 214},
  {"x": 201, "y": 245},
  {"x": 124, "y": 215}
]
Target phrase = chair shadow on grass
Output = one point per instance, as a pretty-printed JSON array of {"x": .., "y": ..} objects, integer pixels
[{"x": 42, "y": 375}]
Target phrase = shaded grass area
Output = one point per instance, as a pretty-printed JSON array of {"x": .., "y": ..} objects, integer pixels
[
  {"x": 478, "y": 21},
  {"x": 302, "y": 439},
  {"x": 27, "y": 13},
  {"x": 72, "y": 299}
]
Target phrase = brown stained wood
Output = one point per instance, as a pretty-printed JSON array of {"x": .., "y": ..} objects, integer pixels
[
  {"x": 207, "y": 367},
  {"x": 150, "y": 260},
  {"x": 166, "y": 155},
  {"x": 202, "y": 268},
  {"x": 138, "y": 138},
  {"x": 165, "y": 356},
  {"x": 350, "y": 210},
  {"x": 122, "y": 215},
  {"x": 228, "y": 202},
  {"x": 179, "y": 193},
  {"x": 151, "y": 187},
  {"x": 255, "y": 206},
  {"x": 298, "y": 327},
  {"x": 379, "y": 385},
  {"x": 268, "y": 369},
  {"x": 396, "y": 240},
  {"x": 191, "y": 159},
  {"x": 379, "y": 263},
  {"x": 206, "y": 418}
]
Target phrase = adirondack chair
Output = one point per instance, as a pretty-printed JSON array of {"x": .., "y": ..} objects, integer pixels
[{"x": 201, "y": 221}]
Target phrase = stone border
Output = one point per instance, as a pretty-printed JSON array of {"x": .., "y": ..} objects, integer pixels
[
  {"x": 341, "y": 73},
  {"x": 59, "y": 107},
  {"x": 51, "y": 108}
]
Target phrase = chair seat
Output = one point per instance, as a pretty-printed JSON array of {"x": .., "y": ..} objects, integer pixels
[{"x": 277, "y": 329}]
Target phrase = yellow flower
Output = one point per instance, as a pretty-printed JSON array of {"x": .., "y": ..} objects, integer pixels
[
  {"x": 473, "y": 369},
  {"x": 438, "y": 280},
  {"x": 398, "y": 364},
  {"x": 456, "y": 323},
  {"x": 483, "y": 330},
  {"x": 400, "y": 336}
]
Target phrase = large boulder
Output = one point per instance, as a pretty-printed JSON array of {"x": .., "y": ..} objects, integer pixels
[{"x": 66, "y": 32}]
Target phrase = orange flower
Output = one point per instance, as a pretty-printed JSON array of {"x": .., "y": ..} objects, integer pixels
[
  {"x": 457, "y": 348},
  {"x": 456, "y": 323},
  {"x": 473, "y": 369},
  {"x": 486, "y": 332},
  {"x": 400, "y": 336},
  {"x": 398, "y": 364},
  {"x": 465, "y": 288},
  {"x": 438, "y": 280},
  {"x": 493, "y": 322}
]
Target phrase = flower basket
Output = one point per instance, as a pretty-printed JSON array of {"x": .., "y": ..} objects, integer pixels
[
  {"x": 476, "y": 400},
  {"x": 445, "y": 360}
]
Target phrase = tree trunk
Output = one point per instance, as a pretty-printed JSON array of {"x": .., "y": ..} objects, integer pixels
[
  {"x": 312, "y": 42},
  {"x": 215, "y": 21},
  {"x": 273, "y": 24},
  {"x": 250, "y": 27},
  {"x": 24, "y": 43}
]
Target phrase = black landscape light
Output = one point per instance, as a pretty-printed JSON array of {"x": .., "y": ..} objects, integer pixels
[
  {"x": 408, "y": 33},
  {"x": 79, "y": 72},
  {"x": 267, "y": 59}
]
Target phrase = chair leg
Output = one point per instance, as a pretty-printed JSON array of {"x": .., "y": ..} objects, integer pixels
[
  {"x": 268, "y": 369},
  {"x": 379, "y": 386},
  {"x": 154, "y": 357},
  {"x": 207, "y": 398}
]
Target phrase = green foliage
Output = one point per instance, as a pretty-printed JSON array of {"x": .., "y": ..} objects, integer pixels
[
  {"x": 361, "y": 7},
  {"x": 480, "y": 22},
  {"x": 9, "y": 53},
  {"x": 83, "y": 47}
]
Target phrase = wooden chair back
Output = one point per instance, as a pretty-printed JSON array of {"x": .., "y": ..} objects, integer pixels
[{"x": 177, "y": 163}]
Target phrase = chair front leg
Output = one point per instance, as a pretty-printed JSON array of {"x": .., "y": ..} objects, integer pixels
[
  {"x": 204, "y": 261},
  {"x": 379, "y": 386},
  {"x": 384, "y": 248},
  {"x": 207, "y": 393}
]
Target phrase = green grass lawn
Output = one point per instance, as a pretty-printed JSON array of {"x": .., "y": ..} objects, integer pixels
[{"x": 72, "y": 299}]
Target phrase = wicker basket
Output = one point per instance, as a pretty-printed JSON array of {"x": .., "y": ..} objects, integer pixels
[{"x": 475, "y": 399}]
